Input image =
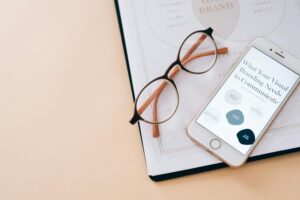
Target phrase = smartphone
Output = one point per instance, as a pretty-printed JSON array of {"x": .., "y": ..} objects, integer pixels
[{"x": 247, "y": 101}]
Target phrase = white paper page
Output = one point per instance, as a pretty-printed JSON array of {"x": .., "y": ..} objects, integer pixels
[{"x": 153, "y": 31}]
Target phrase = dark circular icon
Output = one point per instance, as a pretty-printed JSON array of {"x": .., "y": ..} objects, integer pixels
[{"x": 246, "y": 137}]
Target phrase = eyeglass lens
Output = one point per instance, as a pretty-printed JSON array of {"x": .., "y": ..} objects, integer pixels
[
  {"x": 198, "y": 53},
  {"x": 164, "y": 102}
]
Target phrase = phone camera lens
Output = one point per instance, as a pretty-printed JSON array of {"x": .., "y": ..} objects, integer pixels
[{"x": 271, "y": 49}]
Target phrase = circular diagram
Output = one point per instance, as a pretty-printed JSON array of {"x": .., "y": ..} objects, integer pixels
[
  {"x": 240, "y": 20},
  {"x": 172, "y": 20}
]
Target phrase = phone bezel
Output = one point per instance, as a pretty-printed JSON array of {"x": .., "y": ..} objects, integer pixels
[{"x": 226, "y": 152}]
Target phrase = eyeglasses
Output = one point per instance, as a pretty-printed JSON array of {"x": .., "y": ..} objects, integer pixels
[{"x": 158, "y": 101}]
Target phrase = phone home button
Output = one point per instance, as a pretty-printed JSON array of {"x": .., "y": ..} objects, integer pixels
[{"x": 215, "y": 144}]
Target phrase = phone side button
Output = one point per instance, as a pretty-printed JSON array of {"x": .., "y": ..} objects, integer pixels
[{"x": 215, "y": 144}]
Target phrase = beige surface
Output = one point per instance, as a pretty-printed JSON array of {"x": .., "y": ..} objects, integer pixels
[{"x": 65, "y": 104}]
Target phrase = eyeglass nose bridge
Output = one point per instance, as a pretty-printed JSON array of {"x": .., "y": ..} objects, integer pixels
[{"x": 168, "y": 74}]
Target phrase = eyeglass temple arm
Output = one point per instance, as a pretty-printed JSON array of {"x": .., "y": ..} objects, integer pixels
[
  {"x": 155, "y": 129},
  {"x": 194, "y": 47}
]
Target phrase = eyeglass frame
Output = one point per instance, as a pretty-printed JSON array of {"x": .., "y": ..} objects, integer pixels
[{"x": 208, "y": 32}]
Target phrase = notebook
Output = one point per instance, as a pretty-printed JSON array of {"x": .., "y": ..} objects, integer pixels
[{"x": 152, "y": 31}]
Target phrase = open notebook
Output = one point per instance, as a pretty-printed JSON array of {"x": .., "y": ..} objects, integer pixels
[{"x": 152, "y": 31}]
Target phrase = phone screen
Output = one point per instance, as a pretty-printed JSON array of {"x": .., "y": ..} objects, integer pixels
[{"x": 248, "y": 99}]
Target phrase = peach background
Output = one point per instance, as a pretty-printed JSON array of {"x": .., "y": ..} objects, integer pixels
[{"x": 65, "y": 102}]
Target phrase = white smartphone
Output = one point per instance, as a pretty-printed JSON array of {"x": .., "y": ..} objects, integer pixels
[{"x": 246, "y": 102}]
